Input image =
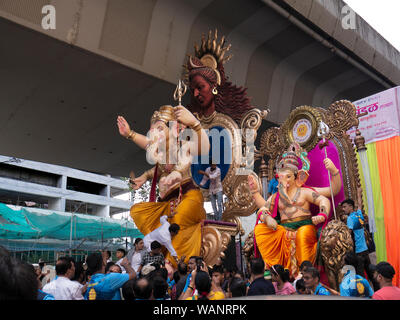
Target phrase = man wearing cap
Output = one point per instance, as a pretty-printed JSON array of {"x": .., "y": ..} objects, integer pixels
[{"x": 383, "y": 274}]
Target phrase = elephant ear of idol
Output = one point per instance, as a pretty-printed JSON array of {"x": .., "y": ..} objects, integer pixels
[{"x": 302, "y": 177}]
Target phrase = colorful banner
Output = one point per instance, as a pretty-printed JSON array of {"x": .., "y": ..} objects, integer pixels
[
  {"x": 383, "y": 118},
  {"x": 388, "y": 156},
  {"x": 381, "y": 130}
]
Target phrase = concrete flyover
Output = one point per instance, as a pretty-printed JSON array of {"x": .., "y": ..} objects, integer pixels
[{"x": 61, "y": 90}]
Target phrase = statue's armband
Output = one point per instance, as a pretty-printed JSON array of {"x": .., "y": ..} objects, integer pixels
[{"x": 315, "y": 196}]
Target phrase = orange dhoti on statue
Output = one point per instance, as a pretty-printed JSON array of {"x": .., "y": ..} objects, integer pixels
[
  {"x": 289, "y": 245},
  {"x": 189, "y": 213}
]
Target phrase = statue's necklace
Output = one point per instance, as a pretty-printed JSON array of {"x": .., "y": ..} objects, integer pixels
[
  {"x": 209, "y": 118},
  {"x": 296, "y": 196}
]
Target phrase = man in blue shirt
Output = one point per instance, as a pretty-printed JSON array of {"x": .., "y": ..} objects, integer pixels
[
  {"x": 273, "y": 184},
  {"x": 44, "y": 295},
  {"x": 311, "y": 279},
  {"x": 355, "y": 222},
  {"x": 353, "y": 285},
  {"x": 112, "y": 267},
  {"x": 104, "y": 286}
]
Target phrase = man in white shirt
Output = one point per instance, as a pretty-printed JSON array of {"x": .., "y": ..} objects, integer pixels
[
  {"x": 135, "y": 254},
  {"x": 63, "y": 288},
  {"x": 215, "y": 189},
  {"x": 163, "y": 235}
]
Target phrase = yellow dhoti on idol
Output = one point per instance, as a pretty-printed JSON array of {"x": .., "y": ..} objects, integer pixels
[
  {"x": 294, "y": 239},
  {"x": 289, "y": 245},
  {"x": 189, "y": 213}
]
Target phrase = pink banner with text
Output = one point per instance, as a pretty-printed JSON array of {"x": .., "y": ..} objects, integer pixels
[{"x": 382, "y": 121}]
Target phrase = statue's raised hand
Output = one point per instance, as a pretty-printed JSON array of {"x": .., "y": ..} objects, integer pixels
[
  {"x": 184, "y": 116},
  {"x": 138, "y": 182},
  {"x": 123, "y": 126},
  {"x": 252, "y": 184},
  {"x": 172, "y": 178},
  {"x": 330, "y": 166}
]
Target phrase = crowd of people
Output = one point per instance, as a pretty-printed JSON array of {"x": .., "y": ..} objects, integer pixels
[
  {"x": 146, "y": 275},
  {"x": 143, "y": 273}
]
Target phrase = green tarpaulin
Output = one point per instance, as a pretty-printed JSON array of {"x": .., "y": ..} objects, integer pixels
[
  {"x": 33, "y": 223},
  {"x": 44, "y": 244}
]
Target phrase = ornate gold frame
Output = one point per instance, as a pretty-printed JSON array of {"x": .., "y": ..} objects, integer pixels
[
  {"x": 341, "y": 116},
  {"x": 216, "y": 238},
  {"x": 240, "y": 201},
  {"x": 302, "y": 112}
]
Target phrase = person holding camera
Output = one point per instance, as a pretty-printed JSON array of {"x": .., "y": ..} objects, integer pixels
[
  {"x": 184, "y": 282},
  {"x": 200, "y": 285}
]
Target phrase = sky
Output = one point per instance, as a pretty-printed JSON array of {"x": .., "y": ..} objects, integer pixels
[{"x": 382, "y": 15}]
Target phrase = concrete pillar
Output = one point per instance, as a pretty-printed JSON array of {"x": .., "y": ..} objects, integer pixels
[
  {"x": 57, "y": 204},
  {"x": 103, "y": 211},
  {"x": 106, "y": 191},
  {"x": 62, "y": 182}
]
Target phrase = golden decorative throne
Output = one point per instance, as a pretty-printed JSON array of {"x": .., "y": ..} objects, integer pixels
[{"x": 302, "y": 126}]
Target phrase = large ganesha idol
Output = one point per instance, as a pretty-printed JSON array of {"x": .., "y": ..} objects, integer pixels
[
  {"x": 179, "y": 198},
  {"x": 286, "y": 231}
]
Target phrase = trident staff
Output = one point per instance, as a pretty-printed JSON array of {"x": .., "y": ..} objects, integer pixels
[
  {"x": 180, "y": 91},
  {"x": 323, "y": 131},
  {"x": 178, "y": 94}
]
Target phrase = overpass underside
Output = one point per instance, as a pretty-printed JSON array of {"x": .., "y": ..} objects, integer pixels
[{"x": 61, "y": 90}]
